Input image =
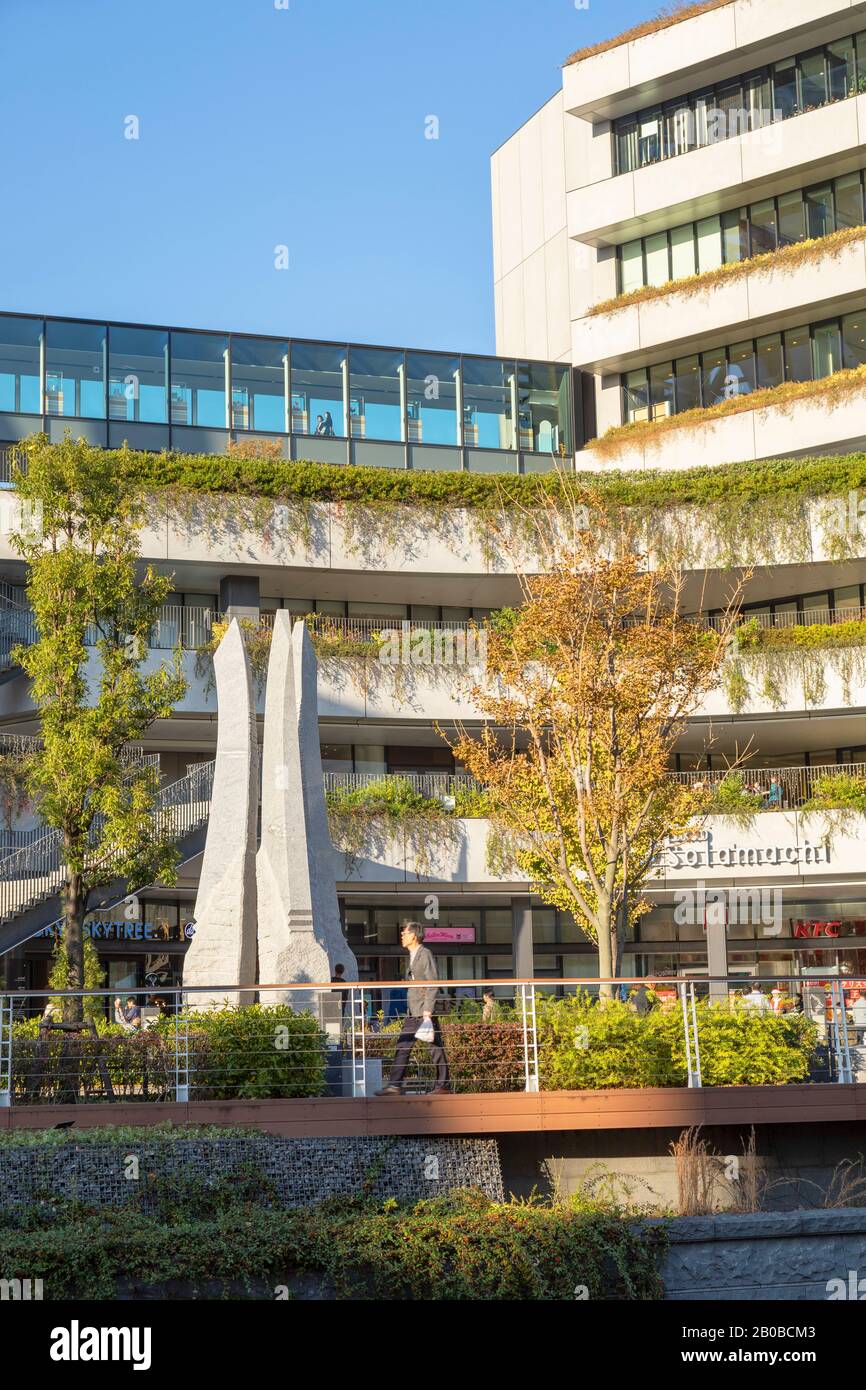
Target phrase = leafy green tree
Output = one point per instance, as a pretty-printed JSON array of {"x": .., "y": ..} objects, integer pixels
[{"x": 86, "y": 585}]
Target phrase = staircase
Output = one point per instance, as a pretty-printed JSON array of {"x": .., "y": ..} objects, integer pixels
[{"x": 32, "y": 876}]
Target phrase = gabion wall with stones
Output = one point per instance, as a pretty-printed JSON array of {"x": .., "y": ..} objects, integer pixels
[{"x": 297, "y": 1172}]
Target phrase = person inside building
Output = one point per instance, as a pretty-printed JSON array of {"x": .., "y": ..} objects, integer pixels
[
  {"x": 419, "y": 1024},
  {"x": 128, "y": 1015}
]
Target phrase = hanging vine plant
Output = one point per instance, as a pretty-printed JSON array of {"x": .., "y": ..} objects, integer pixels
[
  {"x": 257, "y": 638},
  {"x": 365, "y": 821},
  {"x": 767, "y": 663}
]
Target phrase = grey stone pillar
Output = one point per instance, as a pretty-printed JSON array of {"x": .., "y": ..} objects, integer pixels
[
  {"x": 223, "y": 950},
  {"x": 300, "y": 934},
  {"x": 521, "y": 938},
  {"x": 717, "y": 955},
  {"x": 239, "y": 596}
]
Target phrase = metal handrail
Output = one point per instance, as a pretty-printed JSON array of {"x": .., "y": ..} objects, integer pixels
[
  {"x": 781, "y": 786},
  {"x": 810, "y": 617}
]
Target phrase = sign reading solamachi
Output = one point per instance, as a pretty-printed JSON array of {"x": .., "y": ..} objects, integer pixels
[{"x": 77, "y": 1343}]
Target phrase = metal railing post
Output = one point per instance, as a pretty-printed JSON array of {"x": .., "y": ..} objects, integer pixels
[
  {"x": 530, "y": 1037},
  {"x": 698, "y": 1081},
  {"x": 840, "y": 1043},
  {"x": 181, "y": 1052},
  {"x": 358, "y": 1039},
  {"x": 5, "y": 1051},
  {"x": 694, "y": 1076}
]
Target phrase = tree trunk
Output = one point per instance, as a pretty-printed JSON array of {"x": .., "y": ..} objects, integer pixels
[
  {"x": 605, "y": 955},
  {"x": 73, "y": 941}
]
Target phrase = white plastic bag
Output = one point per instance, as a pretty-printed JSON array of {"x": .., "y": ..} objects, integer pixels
[{"x": 425, "y": 1033}]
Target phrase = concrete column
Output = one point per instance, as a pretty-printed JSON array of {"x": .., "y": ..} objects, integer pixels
[
  {"x": 521, "y": 938},
  {"x": 223, "y": 950},
  {"x": 239, "y": 596},
  {"x": 717, "y": 953}
]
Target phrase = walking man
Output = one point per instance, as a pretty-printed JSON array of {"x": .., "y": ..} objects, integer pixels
[{"x": 420, "y": 1003}]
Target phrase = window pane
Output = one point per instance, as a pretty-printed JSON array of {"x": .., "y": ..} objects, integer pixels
[
  {"x": 763, "y": 225},
  {"x": 827, "y": 350},
  {"x": 631, "y": 266},
  {"x": 657, "y": 272},
  {"x": 198, "y": 379},
  {"x": 432, "y": 398},
  {"x": 375, "y": 405},
  {"x": 819, "y": 211},
  {"x": 683, "y": 261},
  {"x": 679, "y": 130},
  {"x": 636, "y": 396},
  {"x": 487, "y": 403},
  {"x": 714, "y": 373},
  {"x": 649, "y": 137},
  {"x": 813, "y": 89},
  {"x": 735, "y": 235},
  {"x": 840, "y": 69},
  {"x": 709, "y": 243},
  {"x": 626, "y": 146},
  {"x": 704, "y": 103},
  {"x": 19, "y": 365},
  {"x": 259, "y": 371},
  {"x": 849, "y": 201},
  {"x": 741, "y": 369},
  {"x": 798, "y": 355},
  {"x": 785, "y": 89},
  {"x": 792, "y": 223},
  {"x": 545, "y": 407},
  {"x": 860, "y": 44},
  {"x": 854, "y": 340},
  {"x": 317, "y": 388},
  {"x": 729, "y": 101},
  {"x": 138, "y": 374},
  {"x": 770, "y": 366},
  {"x": 662, "y": 390},
  {"x": 758, "y": 100},
  {"x": 688, "y": 384},
  {"x": 75, "y": 370}
]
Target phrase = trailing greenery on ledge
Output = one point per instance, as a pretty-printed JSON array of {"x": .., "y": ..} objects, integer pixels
[
  {"x": 830, "y": 391},
  {"x": 786, "y": 260},
  {"x": 671, "y": 14},
  {"x": 767, "y": 662}
]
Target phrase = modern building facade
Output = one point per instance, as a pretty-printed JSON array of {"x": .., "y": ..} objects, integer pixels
[{"x": 736, "y": 134}]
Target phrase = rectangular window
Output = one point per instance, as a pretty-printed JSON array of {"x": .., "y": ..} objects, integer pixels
[
  {"x": 259, "y": 372},
  {"x": 75, "y": 367},
  {"x": 704, "y": 104},
  {"x": 635, "y": 397},
  {"x": 657, "y": 264},
  {"x": 759, "y": 101},
  {"x": 626, "y": 145},
  {"x": 544, "y": 405},
  {"x": 798, "y": 355},
  {"x": 792, "y": 222},
  {"x": 854, "y": 340},
  {"x": 488, "y": 387},
  {"x": 785, "y": 89},
  {"x": 735, "y": 235},
  {"x": 840, "y": 69},
  {"x": 734, "y": 119},
  {"x": 631, "y": 266},
  {"x": 849, "y": 201},
  {"x": 138, "y": 374},
  {"x": 826, "y": 350},
  {"x": 679, "y": 130},
  {"x": 860, "y": 45},
  {"x": 687, "y": 384},
  {"x": 20, "y": 341},
  {"x": 683, "y": 262},
  {"x": 662, "y": 390},
  {"x": 762, "y": 217},
  {"x": 819, "y": 211},
  {"x": 432, "y": 398},
  {"x": 318, "y": 387},
  {"x": 813, "y": 84},
  {"x": 709, "y": 243},
  {"x": 770, "y": 365},
  {"x": 713, "y": 376},
  {"x": 649, "y": 137},
  {"x": 741, "y": 369},
  {"x": 198, "y": 379},
  {"x": 375, "y": 393}
]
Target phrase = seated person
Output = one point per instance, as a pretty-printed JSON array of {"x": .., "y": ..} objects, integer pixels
[{"x": 128, "y": 1015}]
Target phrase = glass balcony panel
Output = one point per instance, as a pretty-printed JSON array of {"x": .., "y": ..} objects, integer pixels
[
  {"x": 317, "y": 388},
  {"x": 709, "y": 243},
  {"x": 375, "y": 407},
  {"x": 762, "y": 220},
  {"x": 819, "y": 211},
  {"x": 785, "y": 89},
  {"x": 769, "y": 362},
  {"x": 198, "y": 379},
  {"x": 683, "y": 259},
  {"x": 826, "y": 350},
  {"x": 259, "y": 384},
  {"x": 798, "y": 355},
  {"x": 635, "y": 396},
  {"x": 854, "y": 340},
  {"x": 19, "y": 365},
  {"x": 841, "y": 77},
  {"x": 631, "y": 267},
  {"x": 487, "y": 402},
  {"x": 544, "y": 407},
  {"x": 813, "y": 81},
  {"x": 657, "y": 261},
  {"x": 432, "y": 398},
  {"x": 792, "y": 219},
  {"x": 75, "y": 370},
  {"x": 138, "y": 375},
  {"x": 849, "y": 201},
  {"x": 688, "y": 383}
]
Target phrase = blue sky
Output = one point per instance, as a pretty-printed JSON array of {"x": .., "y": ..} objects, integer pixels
[{"x": 260, "y": 126}]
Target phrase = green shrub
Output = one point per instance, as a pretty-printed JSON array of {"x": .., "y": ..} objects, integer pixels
[
  {"x": 256, "y": 1053},
  {"x": 837, "y": 790},
  {"x": 742, "y": 1047},
  {"x": 730, "y": 797},
  {"x": 582, "y": 1046}
]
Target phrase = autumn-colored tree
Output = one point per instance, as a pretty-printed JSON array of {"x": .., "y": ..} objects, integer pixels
[{"x": 589, "y": 685}]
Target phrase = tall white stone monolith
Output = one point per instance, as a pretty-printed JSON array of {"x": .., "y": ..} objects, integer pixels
[
  {"x": 299, "y": 934},
  {"x": 223, "y": 950}
]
